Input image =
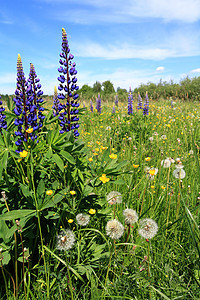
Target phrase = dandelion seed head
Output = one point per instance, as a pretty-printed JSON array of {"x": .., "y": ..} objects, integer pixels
[
  {"x": 179, "y": 173},
  {"x": 130, "y": 216},
  {"x": 114, "y": 197},
  {"x": 65, "y": 240},
  {"x": 114, "y": 229},
  {"x": 82, "y": 219},
  {"x": 148, "y": 228}
]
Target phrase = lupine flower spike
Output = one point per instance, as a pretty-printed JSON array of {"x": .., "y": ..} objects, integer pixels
[
  {"x": 34, "y": 104},
  {"x": 146, "y": 106},
  {"x": 91, "y": 106},
  {"x": 28, "y": 107},
  {"x": 130, "y": 103},
  {"x": 56, "y": 103},
  {"x": 98, "y": 102},
  {"x": 3, "y": 123},
  {"x": 139, "y": 102},
  {"x": 113, "y": 110},
  {"x": 20, "y": 109},
  {"x": 68, "y": 90}
]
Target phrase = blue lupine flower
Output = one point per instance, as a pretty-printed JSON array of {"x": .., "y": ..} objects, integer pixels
[
  {"x": 139, "y": 102},
  {"x": 113, "y": 110},
  {"x": 3, "y": 123},
  {"x": 98, "y": 104},
  {"x": 28, "y": 107},
  {"x": 67, "y": 91},
  {"x": 130, "y": 104},
  {"x": 56, "y": 102},
  {"x": 146, "y": 106},
  {"x": 91, "y": 106}
]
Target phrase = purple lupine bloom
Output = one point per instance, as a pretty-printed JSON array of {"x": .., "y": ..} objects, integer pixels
[
  {"x": 172, "y": 104},
  {"x": 116, "y": 100},
  {"x": 146, "y": 106},
  {"x": 3, "y": 123},
  {"x": 68, "y": 88},
  {"x": 91, "y": 106},
  {"x": 20, "y": 106},
  {"x": 98, "y": 104},
  {"x": 130, "y": 104},
  {"x": 113, "y": 110},
  {"x": 56, "y": 102},
  {"x": 28, "y": 109},
  {"x": 139, "y": 102},
  {"x": 34, "y": 104}
]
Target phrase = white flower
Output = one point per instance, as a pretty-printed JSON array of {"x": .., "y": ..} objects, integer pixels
[
  {"x": 167, "y": 162},
  {"x": 108, "y": 128},
  {"x": 130, "y": 216},
  {"x": 65, "y": 240},
  {"x": 163, "y": 137},
  {"x": 114, "y": 197},
  {"x": 114, "y": 229},
  {"x": 191, "y": 152},
  {"x": 148, "y": 228},
  {"x": 151, "y": 139},
  {"x": 179, "y": 173},
  {"x": 179, "y": 166},
  {"x": 83, "y": 219}
]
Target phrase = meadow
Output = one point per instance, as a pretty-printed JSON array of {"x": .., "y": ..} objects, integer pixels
[
  {"x": 99, "y": 199},
  {"x": 138, "y": 155}
]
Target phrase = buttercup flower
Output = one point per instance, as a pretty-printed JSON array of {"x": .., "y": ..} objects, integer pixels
[
  {"x": 104, "y": 179},
  {"x": 83, "y": 219},
  {"x": 92, "y": 211},
  {"x": 148, "y": 158},
  {"x": 72, "y": 192},
  {"x": 148, "y": 228},
  {"x": 23, "y": 153},
  {"x": 65, "y": 240},
  {"x": 113, "y": 156},
  {"x": 70, "y": 221},
  {"x": 130, "y": 216},
  {"x": 135, "y": 166},
  {"x": 114, "y": 229},
  {"x": 114, "y": 197},
  {"x": 49, "y": 192}
]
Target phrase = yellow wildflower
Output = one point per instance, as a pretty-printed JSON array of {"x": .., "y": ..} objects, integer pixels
[
  {"x": 92, "y": 211},
  {"x": 70, "y": 221},
  {"x": 147, "y": 158},
  {"x": 72, "y": 192},
  {"x": 30, "y": 130},
  {"x": 24, "y": 153},
  {"x": 103, "y": 178},
  {"x": 163, "y": 187},
  {"x": 90, "y": 159},
  {"x": 152, "y": 172},
  {"x": 135, "y": 166},
  {"x": 113, "y": 156},
  {"x": 49, "y": 192}
]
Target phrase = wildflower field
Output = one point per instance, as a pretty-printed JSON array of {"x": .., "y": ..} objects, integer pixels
[{"x": 98, "y": 200}]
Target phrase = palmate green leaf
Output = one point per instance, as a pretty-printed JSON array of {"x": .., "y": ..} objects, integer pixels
[
  {"x": 3, "y": 162},
  {"x": 17, "y": 214},
  {"x": 41, "y": 187},
  {"x": 58, "y": 160},
  {"x": 68, "y": 157}
]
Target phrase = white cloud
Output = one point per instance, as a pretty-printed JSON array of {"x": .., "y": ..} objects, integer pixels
[
  {"x": 93, "y": 11},
  {"x": 160, "y": 69},
  {"x": 122, "y": 51},
  {"x": 195, "y": 70}
]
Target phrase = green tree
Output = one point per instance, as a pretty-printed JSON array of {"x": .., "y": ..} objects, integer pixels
[
  {"x": 97, "y": 87},
  {"x": 108, "y": 87}
]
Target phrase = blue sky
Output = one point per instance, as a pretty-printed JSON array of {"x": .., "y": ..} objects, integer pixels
[{"x": 127, "y": 42}]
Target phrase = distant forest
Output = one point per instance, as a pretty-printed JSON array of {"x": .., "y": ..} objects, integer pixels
[{"x": 186, "y": 89}]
